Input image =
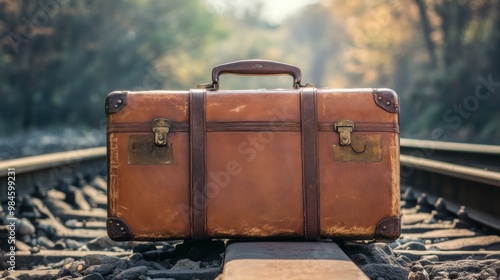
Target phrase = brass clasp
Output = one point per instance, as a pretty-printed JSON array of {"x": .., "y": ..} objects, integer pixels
[
  {"x": 344, "y": 128},
  {"x": 161, "y": 127}
]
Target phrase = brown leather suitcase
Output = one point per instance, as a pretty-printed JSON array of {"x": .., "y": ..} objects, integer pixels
[{"x": 303, "y": 163}]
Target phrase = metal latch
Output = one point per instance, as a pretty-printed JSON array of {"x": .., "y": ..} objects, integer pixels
[
  {"x": 161, "y": 127},
  {"x": 344, "y": 128}
]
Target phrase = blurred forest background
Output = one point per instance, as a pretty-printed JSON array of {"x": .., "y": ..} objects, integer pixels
[{"x": 60, "y": 58}]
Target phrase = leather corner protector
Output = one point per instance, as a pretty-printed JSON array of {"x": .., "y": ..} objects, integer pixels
[
  {"x": 115, "y": 101},
  {"x": 118, "y": 229},
  {"x": 388, "y": 229},
  {"x": 386, "y": 99}
]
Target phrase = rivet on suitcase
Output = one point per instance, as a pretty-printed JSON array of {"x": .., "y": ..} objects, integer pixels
[{"x": 302, "y": 163}]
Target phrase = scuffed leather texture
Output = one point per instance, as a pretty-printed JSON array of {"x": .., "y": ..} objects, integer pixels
[
  {"x": 254, "y": 168},
  {"x": 355, "y": 196},
  {"x": 251, "y": 191}
]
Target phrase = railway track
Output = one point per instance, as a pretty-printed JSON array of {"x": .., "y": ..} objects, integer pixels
[
  {"x": 61, "y": 211},
  {"x": 462, "y": 174}
]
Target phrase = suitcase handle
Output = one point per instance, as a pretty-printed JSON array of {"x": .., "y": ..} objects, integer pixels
[{"x": 256, "y": 67}]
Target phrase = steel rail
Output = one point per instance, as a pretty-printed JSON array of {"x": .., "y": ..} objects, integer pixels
[
  {"x": 472, "y": 155},
  {"x": 449, "y": 169},
  {"x": 33, "y": 163},
  {"x": 450, "y": 146},
  {"x": 465, "y": 174},
  {"x": 45, "y": 171}
]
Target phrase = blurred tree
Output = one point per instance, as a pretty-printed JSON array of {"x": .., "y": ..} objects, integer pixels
[
  {"x": 434, "y": 53},
  {"x": 59, "y": 59},
  {"x": 315, "y": 30},
  {"x": 462, "y": 40}
]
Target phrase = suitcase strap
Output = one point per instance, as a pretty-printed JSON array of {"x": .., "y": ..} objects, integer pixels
[
  {"x": 310, "y": 162},
  {"x": 197, "y": 136}
]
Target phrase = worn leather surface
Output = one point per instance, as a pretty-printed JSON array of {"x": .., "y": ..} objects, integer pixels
[
  {"x": 355, "y": 196},
  {"x": 254, "y": 170},
  {"x": 255, "y": 106},
  {"x": 251, "y": 191},
  {"x": 259, "y": 164},
  {"x": 153, "y": 200}
]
